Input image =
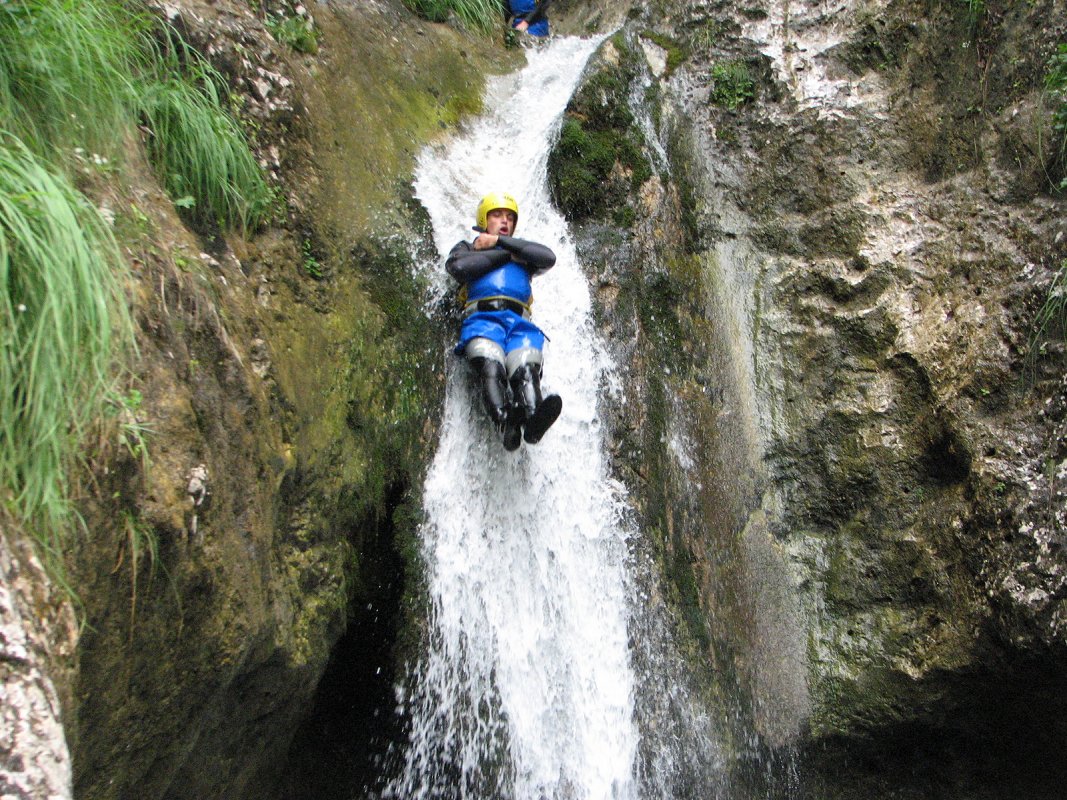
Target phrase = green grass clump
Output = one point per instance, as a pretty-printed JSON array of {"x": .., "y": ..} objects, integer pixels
[
  {"x": 732, "y": 85},
  {"x": 1051, "y": 319},
  {"x": 201, "y": 155},
  {"x": 296, "y": 32},
  {"x": 63, "y": 324},
  {"x": 1056, "y": 96},
  {"x": 483, "y": 16},
  {"x": 80, "y": 76},
  {"x": 68, "y": 69},
  {"x": 975, "y": 12},
  {"x": 84, "y": 73}
]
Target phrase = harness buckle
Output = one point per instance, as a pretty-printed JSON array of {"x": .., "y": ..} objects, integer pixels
[{"x": 498, "y": 304}]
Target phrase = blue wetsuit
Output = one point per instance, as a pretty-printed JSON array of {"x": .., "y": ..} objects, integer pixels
[
  {"x": 533, "y": 12},
  {"x": 499, "y": 291}
]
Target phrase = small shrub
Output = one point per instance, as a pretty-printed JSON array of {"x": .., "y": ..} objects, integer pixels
[
  {"x": 732, "y": 85},
  {"x": 296, "y": 32}
]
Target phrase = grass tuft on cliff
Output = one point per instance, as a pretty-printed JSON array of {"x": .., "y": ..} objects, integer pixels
[
  {"x": 483, "y": 16},
  {"x": 1051, "y": 319},
  {"x": 68, "y": 69},
  {"x": 1056, "y": 97},
  {"x": 77, "y": 78},
  {"x": 200, "y": 153},
  {"x": 83, "y": 73},
  {"x": 63, "y": 322}
]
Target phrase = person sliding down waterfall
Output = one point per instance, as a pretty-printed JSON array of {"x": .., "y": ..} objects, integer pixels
[{"x": 498, "y": 339}]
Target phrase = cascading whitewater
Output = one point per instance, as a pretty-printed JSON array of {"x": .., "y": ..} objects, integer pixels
[{"x": 527, "y": 688}]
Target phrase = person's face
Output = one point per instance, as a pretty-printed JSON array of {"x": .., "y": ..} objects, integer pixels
[{"x": 501, "y": 221}]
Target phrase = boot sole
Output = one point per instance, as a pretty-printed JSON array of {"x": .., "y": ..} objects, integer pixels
[{"x": 546, "y": 414}]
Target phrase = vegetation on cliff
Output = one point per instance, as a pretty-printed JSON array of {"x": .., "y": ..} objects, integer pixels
[
  {"x": 76, "y": 79},
  {"x": 598, "y": 163},
  {"x": 478, "y": 15}
]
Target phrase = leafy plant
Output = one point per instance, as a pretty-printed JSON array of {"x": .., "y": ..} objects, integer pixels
[
  {"x": 297, "y": 32},
  {"x": 312, "y": 266},
  {"x": 133, "y": 433},
  {"x": 732, "y": 85},
  {"x": 63, "y": 323}
]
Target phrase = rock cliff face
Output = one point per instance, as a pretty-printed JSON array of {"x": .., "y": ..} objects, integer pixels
[
  {"x": 818, "y": 235},
  {"x": 827, "y": 233},
  {"x": 285, "y": 386}
]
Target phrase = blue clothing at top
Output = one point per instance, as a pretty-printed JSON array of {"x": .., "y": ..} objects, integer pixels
[
  {"x": 523, "y": 8},
  {"x": 500, "y": 273}
]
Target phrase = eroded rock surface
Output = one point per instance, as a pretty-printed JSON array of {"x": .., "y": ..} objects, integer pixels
[{"x": 835, "y": 420}]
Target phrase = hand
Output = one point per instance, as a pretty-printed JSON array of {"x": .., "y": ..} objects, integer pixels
[
  {"x": 485, "y": 241},
  {"x": 522, "y": 26}
]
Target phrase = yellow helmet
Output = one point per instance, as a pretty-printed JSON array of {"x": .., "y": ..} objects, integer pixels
[{"x": 495, "y": 200}]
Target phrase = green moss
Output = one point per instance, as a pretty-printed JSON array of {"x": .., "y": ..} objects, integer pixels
[
  {"x": 599, "y": 160},
  {"x": 579, "y": 165},
  {"x": 676, "y": 52},
  {"x": 384, "y": 98},
  {"x": 686, "y": 591}
]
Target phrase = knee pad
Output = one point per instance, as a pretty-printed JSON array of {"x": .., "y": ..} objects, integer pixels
[
  {"x": 521, "y": 357},
  {"x": 480, "y": 347}
]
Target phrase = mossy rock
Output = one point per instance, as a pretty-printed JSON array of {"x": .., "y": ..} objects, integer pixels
[{"x": 599, "y": 159}]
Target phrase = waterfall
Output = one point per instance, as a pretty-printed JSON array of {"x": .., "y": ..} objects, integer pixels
[{"x": 527, "y": 689}]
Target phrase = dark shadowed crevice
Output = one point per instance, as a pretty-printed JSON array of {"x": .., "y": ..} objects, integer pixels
[
  {"x": 997, "y": 736},
  {"x": 339, "y": 749}
]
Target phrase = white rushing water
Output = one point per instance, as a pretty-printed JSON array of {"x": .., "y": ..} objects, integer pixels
[{"x": 527, "y": 690}]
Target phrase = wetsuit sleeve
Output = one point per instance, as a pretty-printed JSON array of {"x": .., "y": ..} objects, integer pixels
[
  {"x": 466, "y": 264},
  {"x": 535, "y": 257}
]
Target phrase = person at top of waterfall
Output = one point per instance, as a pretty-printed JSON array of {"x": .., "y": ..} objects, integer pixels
[
  {"x": 502, "y": 345},
  {"x": 529, "y": 16}
]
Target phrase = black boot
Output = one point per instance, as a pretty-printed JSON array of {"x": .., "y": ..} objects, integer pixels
[
  {"x": 495, "y": 397},
  {"x": 536, "y": 413}
]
